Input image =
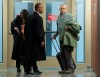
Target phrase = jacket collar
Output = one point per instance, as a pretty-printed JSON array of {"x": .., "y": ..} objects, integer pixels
[
  {"x": 62, "y": 15},
  {"x": 38, "y": 13}
]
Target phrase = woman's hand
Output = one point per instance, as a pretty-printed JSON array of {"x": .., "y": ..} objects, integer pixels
[
  {"x": 42, "y": 44},
  {"x": 15, "y": 28},
  {"x": 22, "y": 28}
]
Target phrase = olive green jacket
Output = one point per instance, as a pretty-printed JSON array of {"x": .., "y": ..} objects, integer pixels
[{"x": 69, "y": 37}]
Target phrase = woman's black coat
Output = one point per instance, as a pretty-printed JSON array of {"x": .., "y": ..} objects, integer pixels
[{"x": 18, "y": 46}]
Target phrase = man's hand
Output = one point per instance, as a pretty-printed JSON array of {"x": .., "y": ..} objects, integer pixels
[
  {"x": 66, "y": 28},
  {"x": 15, "y": 28},
  {"x": 53, "y": 37}
]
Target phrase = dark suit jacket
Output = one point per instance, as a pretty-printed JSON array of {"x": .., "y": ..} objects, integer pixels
[{"x": 34, "y": 34}]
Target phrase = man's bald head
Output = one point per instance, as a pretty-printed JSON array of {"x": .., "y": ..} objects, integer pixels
[
  {"x": 63, "y": 5},
  {"x": 63, "y": 8}
]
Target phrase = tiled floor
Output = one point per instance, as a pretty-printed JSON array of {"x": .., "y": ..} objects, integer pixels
[{"x": 47, "y": 73}]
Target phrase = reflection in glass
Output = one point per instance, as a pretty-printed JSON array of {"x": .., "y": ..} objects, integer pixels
[
  {"x": 68, "y": 75},
  {"x": 80, "y": 75},
  {"x": 72, "y": 75}
]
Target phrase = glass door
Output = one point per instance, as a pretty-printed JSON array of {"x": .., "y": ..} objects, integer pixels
[
  {"x": 15, "y": 9},
  {"x": 52, "y": 12},
  {"x": 23, "y": 4}
]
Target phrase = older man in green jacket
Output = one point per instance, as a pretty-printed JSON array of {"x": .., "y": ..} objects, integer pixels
[{"x": 68, "y": 30}]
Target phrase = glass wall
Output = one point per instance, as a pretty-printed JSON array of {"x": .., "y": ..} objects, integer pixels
[
  {"x": 1, "y": 34},
  {"x": 80, "y": 10},
  {"x": 52, "y": 12}
]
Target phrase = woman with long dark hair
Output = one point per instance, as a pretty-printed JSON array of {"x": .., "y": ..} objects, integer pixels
[{"x": 17, "y": 29}]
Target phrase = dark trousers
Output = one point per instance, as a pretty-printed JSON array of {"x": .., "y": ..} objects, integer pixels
[
  {"x": 30, "y": 65},
  {"x": 27, "y": 66},
  {"x": 34, "y": 66},
  {"x": 18, "y": 63},
  {"x": 66, "y": 52}
]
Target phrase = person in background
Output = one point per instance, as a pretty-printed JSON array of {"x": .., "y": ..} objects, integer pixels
[
  {"x": 35, "y": 42},
  {"x": 17, "y": 30},
  {"x": 67, "y": 30}
]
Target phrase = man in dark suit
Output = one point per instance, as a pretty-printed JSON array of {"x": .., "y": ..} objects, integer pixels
[{"x": 35, "y": 42}]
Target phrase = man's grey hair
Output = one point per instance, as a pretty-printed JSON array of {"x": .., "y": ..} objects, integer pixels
[{"x": 63, "y": 5}]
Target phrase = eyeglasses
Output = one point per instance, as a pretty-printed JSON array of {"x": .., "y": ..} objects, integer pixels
[{"x": 62, "y": 8}]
